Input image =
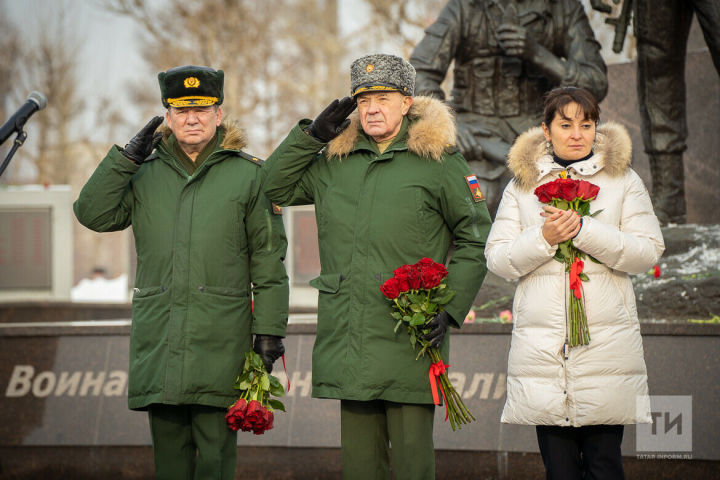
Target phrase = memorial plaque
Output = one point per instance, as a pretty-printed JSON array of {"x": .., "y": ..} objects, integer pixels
[{"x": 70, "y": 389}]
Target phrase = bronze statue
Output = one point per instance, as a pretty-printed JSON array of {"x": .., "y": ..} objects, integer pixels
[
  {"x": 507, "y": 54},
  {"x": 661, "y": 28}
]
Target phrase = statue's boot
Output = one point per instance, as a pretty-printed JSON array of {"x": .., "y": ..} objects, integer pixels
[{"x": 668, "y": 188}]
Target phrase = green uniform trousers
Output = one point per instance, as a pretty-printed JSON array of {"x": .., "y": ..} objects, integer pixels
[
  {"x": 366, "y": 428},
  {"x": 192, "y": 442}
]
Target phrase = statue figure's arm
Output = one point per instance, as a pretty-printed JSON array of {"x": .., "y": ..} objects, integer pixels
[
  {"x": 585, "y": 66},
  {"x": 432, "y": 56},
  {"x": 575, "y": 59}
]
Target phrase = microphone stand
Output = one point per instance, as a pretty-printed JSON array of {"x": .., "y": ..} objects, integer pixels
[{"x": 17, "y": 143}]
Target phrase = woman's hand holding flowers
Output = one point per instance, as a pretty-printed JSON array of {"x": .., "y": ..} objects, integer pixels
[{"x": 560, "y": 225}]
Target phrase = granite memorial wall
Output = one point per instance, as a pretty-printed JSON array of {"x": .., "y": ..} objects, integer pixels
[{"x": 66, "y": 385}]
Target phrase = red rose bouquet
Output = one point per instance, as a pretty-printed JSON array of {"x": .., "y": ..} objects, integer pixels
[
  {"x": 576, "y": 195},
  {"x": 253, "y": 411},
  {"x": 418, "y": 294}
]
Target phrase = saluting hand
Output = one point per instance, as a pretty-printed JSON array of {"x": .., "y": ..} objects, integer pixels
[
  {"x": 560, "y": 225},
  {"x": 141, "y": 145},
  {"x": 333, "y": 120}
]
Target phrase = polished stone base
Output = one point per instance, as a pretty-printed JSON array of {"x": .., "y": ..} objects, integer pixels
[{"x": 270, "y": 463}]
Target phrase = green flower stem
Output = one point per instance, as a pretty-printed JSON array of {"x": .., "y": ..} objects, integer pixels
[
  {"x": 458, "y": 413},
  {"x": 401, "y": 309},
  {"x": 578, "y": 333}
]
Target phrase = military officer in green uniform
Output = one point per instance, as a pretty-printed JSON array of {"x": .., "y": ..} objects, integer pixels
[
  {"x": 507, "y": 54},
  {"x": 389, "y": 188},
  {"x": 208, "y": 242}
]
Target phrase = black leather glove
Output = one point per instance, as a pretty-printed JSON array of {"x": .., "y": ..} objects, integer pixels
[
  {"x": 333, "y": 120},
  {"x": 270, "y": 348},
  {"x": 142, "y": 144},
  {"x": 438, "y": 329}
]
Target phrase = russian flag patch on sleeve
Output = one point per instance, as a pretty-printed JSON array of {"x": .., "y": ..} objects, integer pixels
[{"x": 472, "y": 183}]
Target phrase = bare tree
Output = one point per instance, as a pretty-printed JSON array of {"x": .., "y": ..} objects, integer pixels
[
  {"x": 280, "y": 57},
  {"x": 49, "y": 64},
  {"x": 402, "y": 22},
  {"x": 9, "y": 55}
]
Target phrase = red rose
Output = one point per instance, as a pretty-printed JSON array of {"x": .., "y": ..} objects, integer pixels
[
  {"x": 391, "y": 288},
  {"x": 656, "y": 271},
  {"x": 265, "y": 423},
  {"x": 253, "y": 416},
  {"x": 415, "y": 279},
  {"x": 587, "y": 190},
  {"x": 405, "y": 269},
  {"x": 568, "y": 189},
  {"x": 236, "y": 414},
  {"x": 548, "y": 191},
  {"x": 553, "y": 189},
  {"x": 425, "y": 262},
  {"x": 433, "y": 275},
  {"x": 541, "y": 193},
  {"x": 257, "y": 419},
  {"x": 403, "y": 281},
  {"x": 432, "y": 278}
]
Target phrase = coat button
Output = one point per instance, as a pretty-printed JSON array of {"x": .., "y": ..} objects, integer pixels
[
  {"x": 565, "y": 392},
  {"x": 567, "y": 419}
]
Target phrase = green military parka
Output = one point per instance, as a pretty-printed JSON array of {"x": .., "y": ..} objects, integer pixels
[
  {"x": 206, "y": 243},
  {"x": 376, "y": 212}
]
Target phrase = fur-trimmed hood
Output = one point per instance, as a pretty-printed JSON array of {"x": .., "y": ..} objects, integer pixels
[
  {"x": 235, "y": 138},
  {"x": 529, "y": 161},
  {"x": 431, "y": 131}
]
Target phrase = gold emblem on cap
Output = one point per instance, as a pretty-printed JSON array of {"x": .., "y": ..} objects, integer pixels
[
  {"x": 191, "y": 82},
  {"x": 370, "y": 68}
]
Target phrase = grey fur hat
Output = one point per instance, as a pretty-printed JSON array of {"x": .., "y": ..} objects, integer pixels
[{"x": 381, "y": 73}]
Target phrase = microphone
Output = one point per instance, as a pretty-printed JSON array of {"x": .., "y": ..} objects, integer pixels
[{"x": 36, "y": 101}]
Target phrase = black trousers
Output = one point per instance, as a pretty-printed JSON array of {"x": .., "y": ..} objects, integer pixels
[{"x": 581, "y": 453}]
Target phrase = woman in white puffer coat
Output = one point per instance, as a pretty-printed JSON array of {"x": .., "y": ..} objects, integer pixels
[{"x": 578, "y": 397}]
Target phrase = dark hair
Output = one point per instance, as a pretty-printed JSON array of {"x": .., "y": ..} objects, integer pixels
[{"x": 558, "y": 98}]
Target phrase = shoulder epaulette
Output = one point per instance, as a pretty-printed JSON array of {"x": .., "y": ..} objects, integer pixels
[{"x": 250, "y": 158}]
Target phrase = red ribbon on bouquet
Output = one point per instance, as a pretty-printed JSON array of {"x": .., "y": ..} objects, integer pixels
[
  {"x": 286, "y": 375},
  {"x": 576, "y": 269},
  {"x": 437, "y": 369}
]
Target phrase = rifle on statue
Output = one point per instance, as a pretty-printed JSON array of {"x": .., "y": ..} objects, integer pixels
[{"x": 621, "y": 22}]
